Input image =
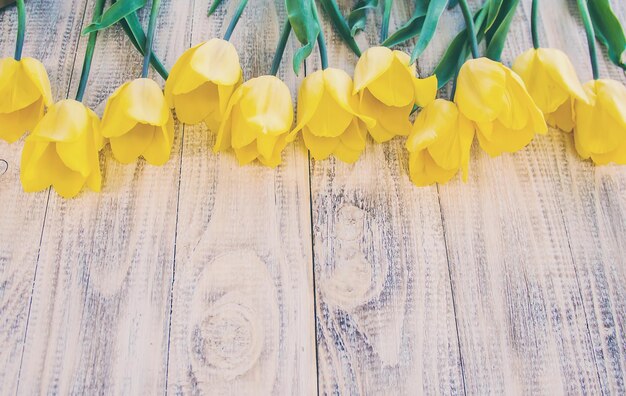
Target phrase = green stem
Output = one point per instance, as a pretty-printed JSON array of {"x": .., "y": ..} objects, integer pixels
[
  {"x": 91, "y": 45},
  {"x": 21, "y": 29},
  {"x": 471, "y": 29},
  {"x": 154, "y": 12},
  {"x": 534, "y": 22},
  {"x": 591, "y": 37},
  {"x": 280, "y": 49},
  {"x": 384, "y": 30},
  {"x": 321, "y": 42},
  {"x": 233, "y": 22}
]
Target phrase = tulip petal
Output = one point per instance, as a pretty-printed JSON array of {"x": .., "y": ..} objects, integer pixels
[
  {"x": 65, "y": 121},
  {"x": 355, "y": 137},
  {"x": 37, "y": 73},
  {"x": 611, "y": 95},
  {"x": 562, "y": 71},
  {"x": 505, "y": 139},
  {"x": 267, "y": 102},
  {"x": 34, "y": 173},
  {"x": 15, "y": 124},
  {"x": 371, "y": 65},
  {"x": 320, "y": 147},
  {"x": 563, "y": 117},
  {"x": 243, "y": 130},
  {"x": 424, "y": 171},
  {"x": 196, "y": 105},
  {"x": 425, "y": 90},
  {"x": 276, "y": 157},
  {"x": 179, "y": 68},
  {"x": 160, "y": 149},
  {"x": 347, "y": 155},
  {"x": 246, "y": 154},
  {"x": 394, "y": 87},
  {"x": 481, "y": 85},
  {"x": 129, "y": 146},
  {"x": 309, "y": 97},
  {"x": 76, "y": 155}
]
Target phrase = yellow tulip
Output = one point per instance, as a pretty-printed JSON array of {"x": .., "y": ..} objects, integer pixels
[
  {"x": 552, "y": 83},
  {"x": 439, "y": 144},
  {"x": 495, "y": 99},
  {"x": 600, "y": 131},
  {"x": 202, "y": 81},
  {"x": 25, "y": 92},
  {"x": 388, "y": 89},
  {"x": 257, "y": 121},
  {"x": 62, "y": 151},
  {"x": 328, "y": 118},
  {"x": 138, "y": 122}
]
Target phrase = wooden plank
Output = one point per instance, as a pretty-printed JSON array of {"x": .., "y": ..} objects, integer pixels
[
  {"x": 384, "y": 305},
  {"x": 51, "y": 36},
  {"x": 242, "y": 319},
  {"x": 593, "y": 202},
  {"x": 101, "y": 302},
  {"x": 523, "y": 324}
]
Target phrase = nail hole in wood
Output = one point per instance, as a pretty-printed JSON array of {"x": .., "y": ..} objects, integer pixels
[{"x": 3, "y": 167}]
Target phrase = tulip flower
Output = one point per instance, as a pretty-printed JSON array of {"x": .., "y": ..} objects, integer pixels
[
  {"x": 202, "y": 81},
  {"x": 388, "y": 89},
  {"x": 62, "y": 151},
  {"x": 600, "y": 131},
  {"x": 328, "y": 118},
  {"x": 138, "y": 122},
  {"x": 552, "y": 83},
  {"x": 439, "y": 144},
  {"x": 258, "y": 121},
  {"x": 495, "y": 99},
  {"x": 25, "y": 92}
]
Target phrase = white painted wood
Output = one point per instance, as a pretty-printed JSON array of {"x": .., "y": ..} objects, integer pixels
[
  {"x": 384, "y": 305},
  {"x": 242, "y": 317},
  {"x": 101, "y": 302},
  {"x": 51, "y": 36}
]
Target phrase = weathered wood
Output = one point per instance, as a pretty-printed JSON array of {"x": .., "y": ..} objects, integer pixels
[
  {"x": 384, "y": 305},
  {"x": 51, "y": 36},
  {"x": 242, "y": 318},
  {"x": 101, "y": 300}
]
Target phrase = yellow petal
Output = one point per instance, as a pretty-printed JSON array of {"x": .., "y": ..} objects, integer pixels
[
  {"x": 14, "y": 125},
  {"x": 309, "y": 97},
  {"x": 223, "y": 140},
  {"x": 611, "y": 96},
  {"x": 266, "y": 102},
  {"x": 424, "y": 171},
  {"x": 265, "y": 145},
  {"x": 561, "y": 70},
  {"x": 243, "y": 131},
  {"x": 425, "y": 90},
  {"x": 481, "y": 86},
  {"x": 563, "y": 117},
  {"x": 77, "y": 155},
  {"x": 395, "y": 86},
  {"x": 504, "y": 139},
  {"x": 65, "y": 121},
  {"x": 371, "y": 65},
  {"x": 129, "y": 146},
  {"x": 196, "y": 105},
  {"x": 246, "y": 154},
  {"x": 432, "y": 121},
  {"x": 276, "y": 157},
  {"x": 320, "y": 147},
  {"x": 160, "y": 149},
  {"x": 180, "y": 67},
  {"x": 17, "y": 90},
  {"x": 347, "y": 155},
  {"x": 355, "y": 137},
  {"x": 37, "y": 73},
  {"x": 390, "y": 121}
]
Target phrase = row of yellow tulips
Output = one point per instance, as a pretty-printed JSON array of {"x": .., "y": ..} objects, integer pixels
[{"x": 505, "y": 108}]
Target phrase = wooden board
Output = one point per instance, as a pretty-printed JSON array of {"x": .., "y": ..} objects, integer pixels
[
  {"x": 52, "y": 36},
  {"x": 242, "y": 315}
]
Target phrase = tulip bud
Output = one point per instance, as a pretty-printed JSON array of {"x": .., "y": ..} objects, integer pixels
[
  {"x": 62, "y": 151},
  {"x": 25, "y": 92},
  {"x": 138, "y": 122},
  {"x": 495, "y": 99},
  {"x": 202, "y": 81},
  {"x": 257, "y": 121},
  {"x": 439, "y": 144},
  {"x": 553, "y": 84},
  {"x": 600, "y": 131},
  {"x": 388, "y": 90},
  {"x": 328, "y": 118}
]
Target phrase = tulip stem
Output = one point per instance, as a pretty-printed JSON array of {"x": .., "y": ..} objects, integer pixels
[
  {"x": 280, "y": 49},
  {"x": 591, "y": 37},
  {"x": 233, "y": 22},
  {"x": 91, "y": 45},
  {"x": 533, "y": 23},
  {"x": 471, "y": 29},
  {"x": 384, "y": 29},
  {"x": 21, "y": 29},
  {"x": 154, "y": 12},
  {"x": 321, "y": 42}
]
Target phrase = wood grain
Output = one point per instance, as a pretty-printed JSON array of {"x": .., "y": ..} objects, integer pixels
[
  {"x": 101, "y": 300},
  {"x": 386, "y": 322},
  {"x": 242, "y": 316},
  {"x": 52, "y": 36}
]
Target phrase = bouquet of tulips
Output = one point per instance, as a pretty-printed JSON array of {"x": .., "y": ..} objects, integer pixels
[{"x": 503, "y": 107}]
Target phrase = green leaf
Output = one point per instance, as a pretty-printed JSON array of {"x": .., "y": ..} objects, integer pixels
[
  {"x": 358, "y": 16},
  {"x": 435, "y": 10},
  {"x": 500, "y": 29},
  {"x": 116, "y": 12},
  {"x": 410, "y": 29},
  {"x": 214, "y": 5},
  {"x": 452, "y": 4},
  {"x": 458, "y": 51},
  {"x": 494, "y": 7},
  {"x": 340, "y": 24},
  {"x": 305, "y": 26},
  {"x": 137, "y": 36},
  {"x": 609, "y": 31}
]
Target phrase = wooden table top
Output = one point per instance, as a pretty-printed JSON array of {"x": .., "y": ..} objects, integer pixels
[{"x": 202, "y": 276}]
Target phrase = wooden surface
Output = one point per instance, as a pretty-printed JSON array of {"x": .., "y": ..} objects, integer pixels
[{"x": 203, "y": 277}]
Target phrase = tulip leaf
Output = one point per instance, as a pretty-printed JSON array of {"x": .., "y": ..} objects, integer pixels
[
  {"x": 214, "y": 5},
  {"x": 116, "y": 12},
  {"x": 433, "y": 14},
  {"x": 358, "y": 16},
  {"x": 341, "y": 25},
  {"x": 305, "y": 25},
  {"x": 500, "y": 29},
  {"x": 137, "y": 36},
  {"x": 494, "y": 7},
  {"x": 410, "y": 29},
  {"x": 609, "y": 31},
  {"x": 452, "y": 4}
]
